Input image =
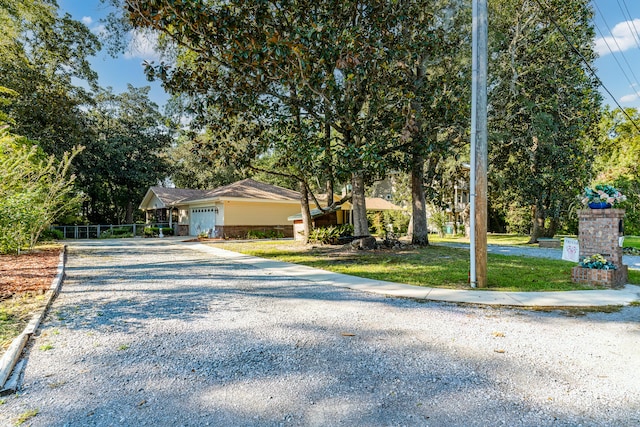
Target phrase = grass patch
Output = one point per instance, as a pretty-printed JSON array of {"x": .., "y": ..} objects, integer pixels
[
  {"x": 46, "y": 347},
  {"x": 492, "y": 239},
  {"x": 581, "y": 311},
  {"x": 26, "y": 416},
  {"x": 631, "y": 242},
  {"x": 15, "y": 313},
  {"x": 433, "y": 266},
  {"x": 518, "y": 239},
  {"x": 123, "y": 347}
]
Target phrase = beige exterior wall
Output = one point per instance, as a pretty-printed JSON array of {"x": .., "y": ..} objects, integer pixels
[
  {"x": 183, "y": 216},
  {"x": 155, "y": 203},
  {"x": 298, "y": 231},
  {"x": 258, "y": 213}
]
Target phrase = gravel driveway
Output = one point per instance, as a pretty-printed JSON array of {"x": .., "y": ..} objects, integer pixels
[{"x": 149, "y": 332}]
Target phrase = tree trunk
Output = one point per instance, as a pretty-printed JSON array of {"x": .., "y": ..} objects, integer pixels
[
  {"x": 537, "y": 224},
  {"x": 420, "y": 234},
  {"x": 329, "y": 191},
  {"x": 129, "y": 213},
  {"x": 360, "y": 224},
  {"x": 554, "y": 225},
  {"x": 306, "y": 212},
  {"x": 328, "y": 168}
]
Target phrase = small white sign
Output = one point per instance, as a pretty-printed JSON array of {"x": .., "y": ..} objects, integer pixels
[
  {"x": 571, "y": 250},
  {"x": 621, "y": 241}
]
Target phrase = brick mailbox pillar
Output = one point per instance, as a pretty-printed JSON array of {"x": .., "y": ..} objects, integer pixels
[{"x": 599, "y": 231}]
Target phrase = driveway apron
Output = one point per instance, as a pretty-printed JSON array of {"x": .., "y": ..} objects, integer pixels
[{"x": 151, "y": 332}]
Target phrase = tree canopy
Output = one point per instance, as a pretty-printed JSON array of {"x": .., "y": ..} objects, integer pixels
[
  {"x": 319, "y": 94},
  {"x": 544, "y": 107},
  {"x": 617, "y": 160},
  {"x": 49, "y": 94}
]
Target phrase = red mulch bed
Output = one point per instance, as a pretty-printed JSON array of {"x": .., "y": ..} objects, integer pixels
[{"x": 29, "y": 272}]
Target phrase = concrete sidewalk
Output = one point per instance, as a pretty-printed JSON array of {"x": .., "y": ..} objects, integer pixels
[{"x": 625, "y": 296}]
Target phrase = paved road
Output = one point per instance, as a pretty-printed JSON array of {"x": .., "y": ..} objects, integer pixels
[
  {"x": 150, "y": 332},
  {"x": 633, "y": 261}
]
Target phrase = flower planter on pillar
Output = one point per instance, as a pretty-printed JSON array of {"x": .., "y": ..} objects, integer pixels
[
  {"x": 605, "y": 278},
  {"x": 599, "y": 233}
]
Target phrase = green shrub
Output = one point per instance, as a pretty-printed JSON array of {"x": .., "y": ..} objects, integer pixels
[
  {"x": 330, "y": 235},
  {"x": 376, "y": 224},
  {"x": 117, "y": 233},
  {"x": 264, "y": 234},
  {"x": 35, "y": 190},
  {"x": 155, "y": 231},
  {"x": 518, "y": 219},
  {"x": 439, "y": 221},
  {"x": 20, "y": 219},
  {"x": 381, "y": 222},
  {"x": 398, "y": 219},
  {"x": 51, "y": 234}
]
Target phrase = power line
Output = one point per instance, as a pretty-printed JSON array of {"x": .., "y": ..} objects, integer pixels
[
  {"x": 633, "y": 84},
  {"x": 586, "y": 63},
  {"x": 630, "y": 23}
]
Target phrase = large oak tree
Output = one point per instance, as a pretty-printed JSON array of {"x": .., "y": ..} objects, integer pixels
[{"x": 544, "y": 105}]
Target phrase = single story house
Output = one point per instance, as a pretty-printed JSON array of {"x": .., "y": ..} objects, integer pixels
[
  {"x": 342, "y": 215},
  {"x": 229, "y": 211}
]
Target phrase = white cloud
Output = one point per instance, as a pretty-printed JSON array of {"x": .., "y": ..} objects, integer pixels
[
  {"x": 629, "y": 98},
  {"x": 143, "y": 45},
  {"x": 100, "y": 31},
  {"x": 87, "y": 20},
  {"x": 623, "y": 37}
]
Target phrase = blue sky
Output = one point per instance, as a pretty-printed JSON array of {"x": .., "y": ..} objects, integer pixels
[
  {"x": 127, "y": 68},
  {"x": 618, "y": 43},
  {"x": 617, "y": 25}
]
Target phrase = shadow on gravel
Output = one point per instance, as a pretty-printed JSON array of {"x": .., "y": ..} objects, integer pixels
[
  {"x": 200, "y": 341},
  {"x": 188, "y": 289},
  {"x": 308, "y": 373}
]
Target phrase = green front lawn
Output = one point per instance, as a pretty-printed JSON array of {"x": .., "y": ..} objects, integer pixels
[
  {"x": 433, "y": 266},
  {"x": 632, "y": 242},
  {"x": 517, "y": 239},
  {"x": 492, "y": 239}
]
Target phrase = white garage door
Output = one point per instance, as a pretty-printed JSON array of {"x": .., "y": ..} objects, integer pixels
[{"x": 202, "y": 220}]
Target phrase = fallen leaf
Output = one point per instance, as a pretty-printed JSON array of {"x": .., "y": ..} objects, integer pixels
[
  {"x": 498, "y": 334},
  {"x": 499, "y": 350},
  {"x": 348, "y": 334}
]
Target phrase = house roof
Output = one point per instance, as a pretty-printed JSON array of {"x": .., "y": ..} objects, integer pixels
[
  {"x": 251, "y": 189},
  {"x": 172, "y": 196},
  {"x": 379, "y": 204},
  {"x": 315, "y": 213},
  {"x": 372, "y": 203},
  {"x": 245, "y": 189}
]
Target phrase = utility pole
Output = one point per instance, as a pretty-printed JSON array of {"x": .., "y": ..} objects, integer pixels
[{"x": 478, "y": 184}]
